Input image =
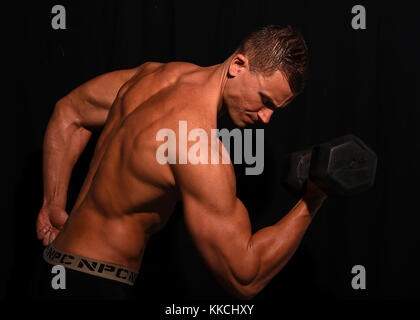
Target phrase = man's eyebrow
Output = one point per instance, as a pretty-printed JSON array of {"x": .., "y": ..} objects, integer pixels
[
  {"x": 264, "y": 96},
  {"x": 289, "y": 100}
]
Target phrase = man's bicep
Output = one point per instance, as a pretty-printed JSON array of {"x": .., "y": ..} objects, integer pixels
[{"x": 220, "y": 224}]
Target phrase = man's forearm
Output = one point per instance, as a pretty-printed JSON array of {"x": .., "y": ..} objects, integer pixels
[
  {"x": 64, "y": 141},
  {"x": 276, "y": 244}
]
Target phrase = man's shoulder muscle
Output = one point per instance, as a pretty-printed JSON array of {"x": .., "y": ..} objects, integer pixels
[{"x": 169, "y": 68}]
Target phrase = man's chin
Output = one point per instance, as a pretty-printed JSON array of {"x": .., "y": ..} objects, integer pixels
[{"x": 240, "y": 123}]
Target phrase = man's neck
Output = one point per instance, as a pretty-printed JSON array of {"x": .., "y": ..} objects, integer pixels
[
  {"x": 222, "y": 70},
  {"x": 218, "y": 74}
]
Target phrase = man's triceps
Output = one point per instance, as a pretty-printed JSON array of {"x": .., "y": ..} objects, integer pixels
[
  {"x": 88, "y": 105},
  {"x": 222, "y": 235}
]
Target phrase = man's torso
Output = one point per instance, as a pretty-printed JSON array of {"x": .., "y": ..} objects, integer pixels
[{"x": 127, "y": 195}]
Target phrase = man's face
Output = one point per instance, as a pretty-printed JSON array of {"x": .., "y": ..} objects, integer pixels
[{"x": 250, "y": 97}]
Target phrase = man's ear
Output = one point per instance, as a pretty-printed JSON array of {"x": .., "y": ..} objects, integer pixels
[{"x": 237, "y": 65}]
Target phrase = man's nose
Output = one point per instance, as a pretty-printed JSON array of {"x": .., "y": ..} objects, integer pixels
[{"x": 265, "y": 114}]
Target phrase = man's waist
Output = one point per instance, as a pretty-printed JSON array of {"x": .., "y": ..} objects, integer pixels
[{"x": 91, "y": 266}]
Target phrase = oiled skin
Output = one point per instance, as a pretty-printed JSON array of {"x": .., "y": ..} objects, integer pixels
[{"x": 128, "y": 196}]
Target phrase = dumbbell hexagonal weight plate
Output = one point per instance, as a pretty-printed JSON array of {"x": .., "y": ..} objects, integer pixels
[{"x": 344, "y": 166}]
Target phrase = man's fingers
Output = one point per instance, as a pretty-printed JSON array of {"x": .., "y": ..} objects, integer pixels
[
  {"x": 41, "y": 232},
  {"x": 47, "y": 235},
  {"x": 46, "y": 239},
  {"x": 39, "y": 235},
  {"x": 51, "y": 237}
]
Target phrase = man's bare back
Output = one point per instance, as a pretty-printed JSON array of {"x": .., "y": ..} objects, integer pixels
[{"x": 127, "y": 195}]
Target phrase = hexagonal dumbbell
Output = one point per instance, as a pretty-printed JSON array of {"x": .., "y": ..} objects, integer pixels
[{"x": 343, "y": 166}]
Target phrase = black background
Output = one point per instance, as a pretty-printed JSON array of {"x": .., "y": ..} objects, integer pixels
[{"x": 363, "y": 82}]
